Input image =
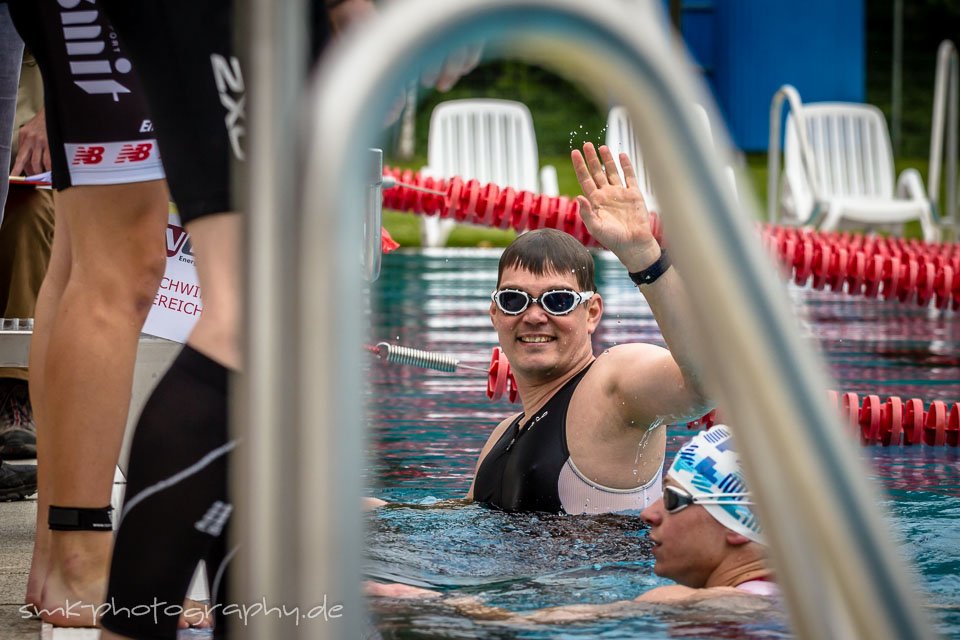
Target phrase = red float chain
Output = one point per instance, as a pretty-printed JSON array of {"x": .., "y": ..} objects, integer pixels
[
  {"x": 891, "y": 268},
  {"x": 485, "y": 204},
  {"x": 889, "y": 423},
  {"x": 892, "y": 422}
]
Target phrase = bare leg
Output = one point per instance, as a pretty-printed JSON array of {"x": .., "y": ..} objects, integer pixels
[
  {"x": 216, "y": 247},
  {"x": 48, "y": 301},
  {"x": 216, "y": 241},
  {"x": 116, "y": 244}
]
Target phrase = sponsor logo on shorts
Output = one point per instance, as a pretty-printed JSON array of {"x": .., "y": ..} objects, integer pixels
[
  {"x": 229, "y": 80},
  {"x": 84, "y": 37},
  {"x": 114, "y": 162},
  {"x": 88, "y": 155},
  {"x": 114, "y": 153},
  {"x": 134, "y": 152}
]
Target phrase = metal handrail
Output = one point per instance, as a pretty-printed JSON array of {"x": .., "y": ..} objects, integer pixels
[
  {"x": 945, "y": 98},
  {"x": 372, "y": 257},
  {"x": 789, "y": 93},
  {"x": 840, "y": 575}
]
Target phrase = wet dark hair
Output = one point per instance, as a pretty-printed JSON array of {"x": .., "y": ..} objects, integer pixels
[{"x": 549, "y": 251}]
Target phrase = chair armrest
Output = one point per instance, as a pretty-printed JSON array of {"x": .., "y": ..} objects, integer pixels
[
  {"x": 910, "y": 185},
  {"x": 548, "y": 181}
]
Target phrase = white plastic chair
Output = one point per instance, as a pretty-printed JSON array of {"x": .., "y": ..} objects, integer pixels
[
  {"x": 620, "y": 138},
  {"x": 842, "y": 169},
  {"x": 485, "y": 140}
]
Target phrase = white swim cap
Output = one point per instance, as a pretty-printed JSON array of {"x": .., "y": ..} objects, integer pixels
[{"x": 709, "y": 465}]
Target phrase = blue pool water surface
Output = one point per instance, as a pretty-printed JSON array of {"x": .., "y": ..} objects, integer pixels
[{"x": 428, "y": 428}]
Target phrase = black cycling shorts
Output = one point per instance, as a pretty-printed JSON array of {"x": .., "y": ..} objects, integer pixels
[
  {"x": 98, "y": 127},
  {"x": 184, "y": 57},
  {"x": 184, "y": 53}
]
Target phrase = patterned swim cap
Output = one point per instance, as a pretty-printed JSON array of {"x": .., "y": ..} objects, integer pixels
[{"x": 709, "y": 465}]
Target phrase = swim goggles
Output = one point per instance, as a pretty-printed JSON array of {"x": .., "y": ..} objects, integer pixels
[
  {"x": 557, "y": 302},
  {"x": 676, "y": 499}
]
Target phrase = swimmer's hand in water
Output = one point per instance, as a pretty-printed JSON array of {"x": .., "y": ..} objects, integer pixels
[
  {"x": 679, "y": 594},
  {"x": 371, "y": 504},
  {"x": 615, "y": 213},
  {"x": 398, "y": 591}
]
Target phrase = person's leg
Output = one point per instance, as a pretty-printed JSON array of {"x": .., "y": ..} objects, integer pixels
[
  {"x": 116, "y": 237},
  {"x": 48, "y": 302},
  {"x": 11, "y": 56},
  {"x": 200, "y": 415},
  {"x": 175, "y": 494},
  {"x": 112, "y": 202},
  {"x": 26, "y": 241},
  {"x": 26, "y": 238},
  {"x": 216, "y": 247}
]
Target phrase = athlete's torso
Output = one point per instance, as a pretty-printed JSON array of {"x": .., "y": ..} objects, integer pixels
[{"x": 530, "y": 468}]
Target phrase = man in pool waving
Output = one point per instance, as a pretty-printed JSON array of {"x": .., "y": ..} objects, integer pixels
[{"x": 591, "y": 436}]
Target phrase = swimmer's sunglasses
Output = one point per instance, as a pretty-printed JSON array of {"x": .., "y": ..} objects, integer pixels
[
  {"x": 676, "y": 499},
  {"x": 557, "y": 302}
]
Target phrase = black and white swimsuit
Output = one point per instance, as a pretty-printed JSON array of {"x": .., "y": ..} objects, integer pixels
[{"x": 530, "y": 468}]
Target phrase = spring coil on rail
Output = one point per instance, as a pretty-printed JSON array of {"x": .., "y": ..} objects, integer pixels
[{"x": 397, "y": 354}]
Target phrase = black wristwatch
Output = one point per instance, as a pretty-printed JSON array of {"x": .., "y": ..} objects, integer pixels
[{"x": 652, "y": 273}]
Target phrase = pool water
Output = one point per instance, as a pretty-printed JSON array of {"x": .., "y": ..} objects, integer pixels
[{"x": 428, "y": 428}]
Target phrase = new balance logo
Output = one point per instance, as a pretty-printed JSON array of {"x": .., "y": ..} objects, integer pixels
[
  {"x": 229, "y": 80},
  {"x": 134, "y": 153},
  {"x": 88, "y": 155},
  {"x": 214, "y": 519}
]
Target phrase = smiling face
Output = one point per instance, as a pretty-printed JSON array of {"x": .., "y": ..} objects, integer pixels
[
  {"x": 688, "y": 545},
  {"x": 541, "y": 346}
]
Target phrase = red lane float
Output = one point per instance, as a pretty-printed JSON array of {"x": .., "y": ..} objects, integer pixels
[
  {"x": 485, "y": 204},
  {"x": 890, "y": 268},
  {"x": 892, "y": 422},
  {"x": 889, "y": 423},
  {"x": 873, "y": 421}
]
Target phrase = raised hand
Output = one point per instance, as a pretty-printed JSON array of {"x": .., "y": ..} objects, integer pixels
[{"x": 615, "y": 214}]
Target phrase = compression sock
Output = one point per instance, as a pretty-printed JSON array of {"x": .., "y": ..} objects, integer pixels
[{"x": 176, "y": 506}]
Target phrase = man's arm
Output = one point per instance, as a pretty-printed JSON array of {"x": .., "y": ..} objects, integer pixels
[{"x": 649, "y": 382}]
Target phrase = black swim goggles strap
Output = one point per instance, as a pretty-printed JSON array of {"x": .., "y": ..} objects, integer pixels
[
  {"x": 80, "y": 519},
  {"x": 676, "y": 499}
]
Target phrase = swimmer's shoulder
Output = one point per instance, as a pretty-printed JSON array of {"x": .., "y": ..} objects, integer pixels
[{"x": 495, "y": 435}]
